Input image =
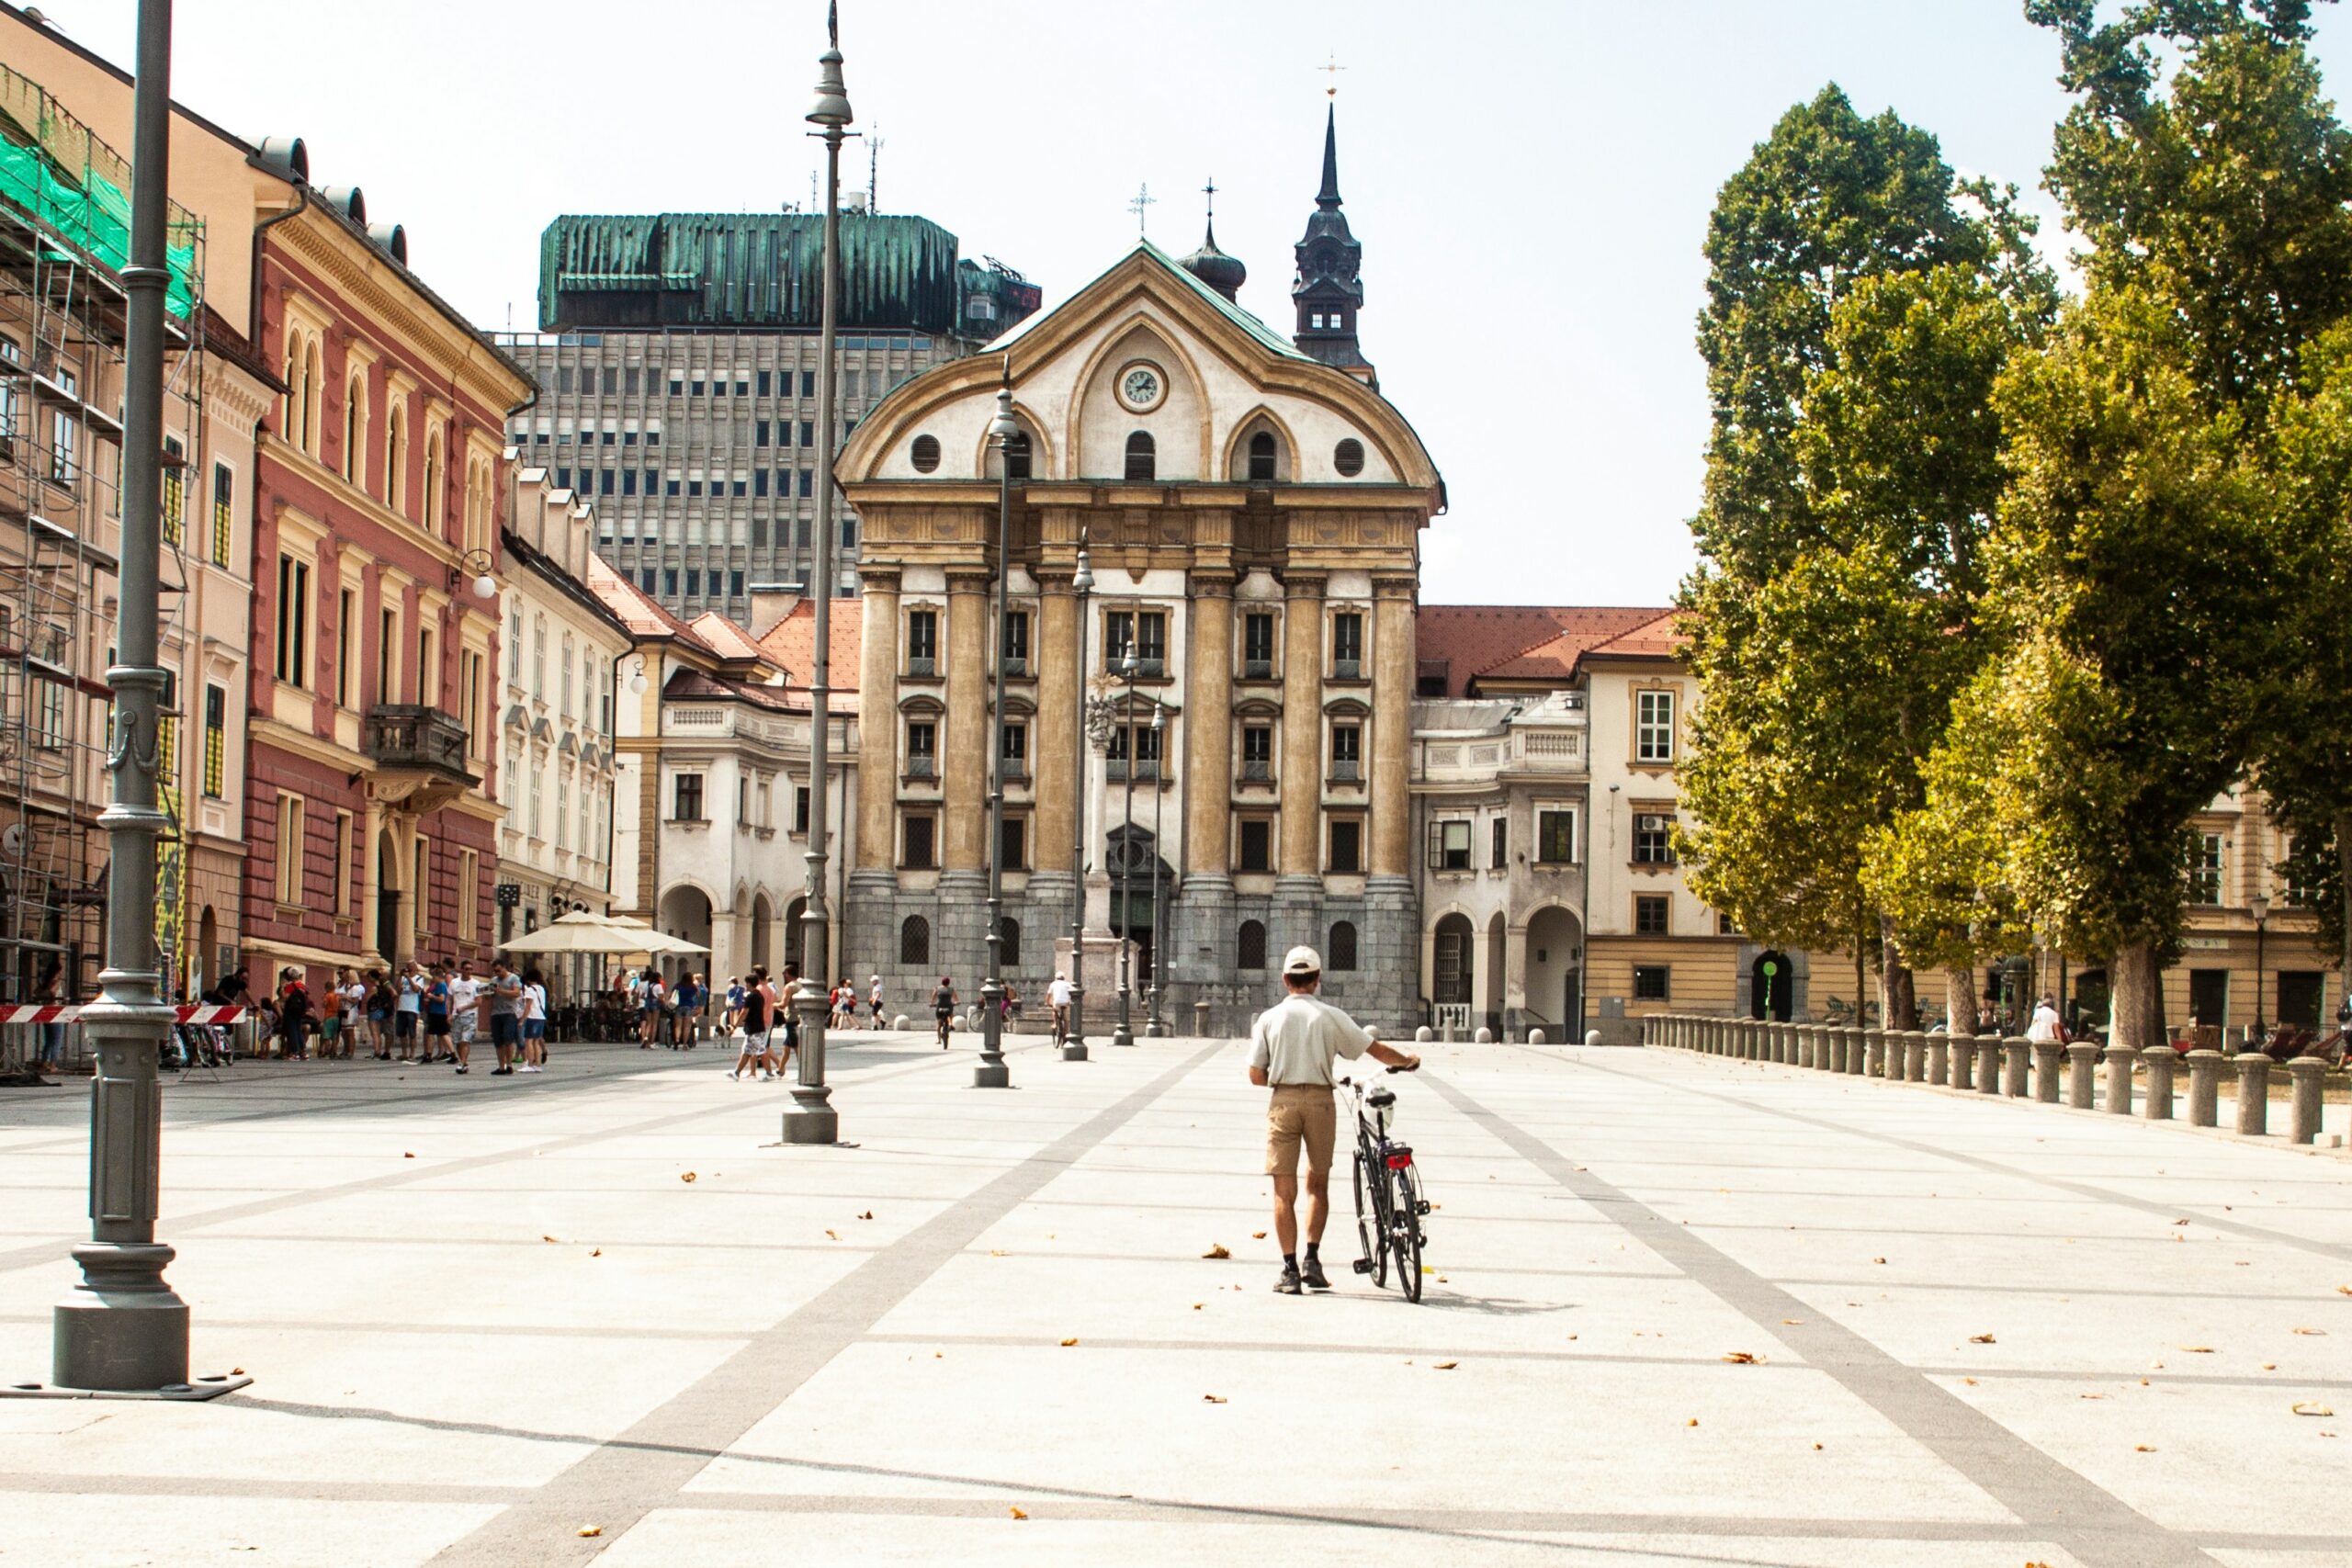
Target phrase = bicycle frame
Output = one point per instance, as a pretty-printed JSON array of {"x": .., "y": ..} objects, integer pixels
[{"x": 1384, "y": 1173}]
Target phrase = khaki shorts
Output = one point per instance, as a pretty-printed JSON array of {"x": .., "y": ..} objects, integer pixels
[{"x": 1301, "y": 1113}]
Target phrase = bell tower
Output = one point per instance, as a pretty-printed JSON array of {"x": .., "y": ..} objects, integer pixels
[{"x": 1326, "y": 288}]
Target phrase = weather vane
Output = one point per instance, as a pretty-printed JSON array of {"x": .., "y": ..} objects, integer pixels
[
  {"x": 1333, "y": 71},
  {"x": 1138, "y": 202}
]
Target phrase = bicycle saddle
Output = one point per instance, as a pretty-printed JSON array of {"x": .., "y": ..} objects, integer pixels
[{"x": 1381, "y": 1097}]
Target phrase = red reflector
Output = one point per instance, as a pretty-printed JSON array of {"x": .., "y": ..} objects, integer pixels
[{"x": 1398, "y": 1162}]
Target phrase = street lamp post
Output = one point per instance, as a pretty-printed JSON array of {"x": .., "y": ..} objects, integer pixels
[
  {"x": 1152, "y": 1027},
  {"x": 812, "y": 1119},
  {"x": 991, "y": 1072},
  {"x": 1128, "y": 670},
  {"x": 122, "y": 1329},
  {"x": 1074, "y": 1047},
  {"x": 2259, "y": 907}
]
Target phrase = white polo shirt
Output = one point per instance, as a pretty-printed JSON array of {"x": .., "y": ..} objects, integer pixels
[{"x": 1297, "y": 1038}]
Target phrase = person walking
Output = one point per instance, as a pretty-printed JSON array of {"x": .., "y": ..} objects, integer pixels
[
  {"x": 649, "y": 999},
  {"x": 693, "y": 1001},
  {"x": 1057, "y": 997},
  {"x": 1291, "y": 1047},
  {"x": 2046, "y": 1028},
  {"x": 506, "y": 1003},
  {"x": 51, "y": 992},
  {"x": 534, "y": 1022},
  {"x": 943, "y": 1007},
  {"x": 874, "y": 1002},
  {"x": 752, "y": 1055},
  {"x": 733, "y": 1018},
  {"x": 465, "y": 1010},
  {"x": 784, "y": 1016},
  {"x": 408, "y": 996},
  {"x": 293, "y": 1014},
  {"x": 433, "y": 1007}
]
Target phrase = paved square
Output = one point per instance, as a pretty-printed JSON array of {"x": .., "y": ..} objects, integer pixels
[{"x": 484, "y": 1315}]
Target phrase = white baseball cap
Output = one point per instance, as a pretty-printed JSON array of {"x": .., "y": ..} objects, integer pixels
[{"x": 1302, "y": 961}]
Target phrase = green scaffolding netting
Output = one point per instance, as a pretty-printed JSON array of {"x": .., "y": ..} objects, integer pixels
[{"x": 96, "y": 219}]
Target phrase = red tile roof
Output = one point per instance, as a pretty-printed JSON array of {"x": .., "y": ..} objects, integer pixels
[
  {"x": 637, "y": 610},
  {"x": 1526, "y": 642},
  {"x": 732, "y": 641},
  {"x": 1658, "y": 638},
  {"x": 791, "y": 643}
]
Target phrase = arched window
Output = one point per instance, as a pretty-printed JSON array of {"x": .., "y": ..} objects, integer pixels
[
  {"x": 1018, "y": 453},
  {"x": 1142, "y": 458},
  {"x": 289, "y": 423},
  {"x": 433, "y": 482},
  {"x": 355, "y": 432},
  {"x": 396, "y": 459},
  {"x": 1008, "y": 943},
  {"x": 1250, "y": 951},
  {"x": 1341, "y": 953},
  {"x": 312, "y": 393},
  {"x": 1261, "y": 457},
  {"x": 914, "y": 943},
  {"x": 924, "y": 455}
]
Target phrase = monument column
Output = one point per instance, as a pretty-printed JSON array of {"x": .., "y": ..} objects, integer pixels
[
  {"x": 1208, "y": 773},
  {"x": 1052, "y": 748},
  {"x": 964, "y": 762},
  {"x": 1301, "y": 778},
  {"x": 1392, "y": 727},
  {"x": 878, "y": 726}
]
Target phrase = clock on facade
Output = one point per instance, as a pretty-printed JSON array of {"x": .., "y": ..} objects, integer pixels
[{"x": 1141, "y": 387}]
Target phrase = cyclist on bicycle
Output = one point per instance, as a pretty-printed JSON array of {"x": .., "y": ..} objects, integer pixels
[{"x": 1290, "y": 1049}]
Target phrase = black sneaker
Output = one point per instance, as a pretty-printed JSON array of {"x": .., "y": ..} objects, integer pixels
[
  {"x": 1288, "y": 1284},
  {"x": 1311, "y": 1273},
  {"x": 461, "y": 1069}
]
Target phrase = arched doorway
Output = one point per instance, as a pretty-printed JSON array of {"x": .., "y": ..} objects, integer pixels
[
  {"x": 1772, "y": 986},
  {"x": 1449, "y": 983},
  {"x": 388, "y": 899},
  {"x": 763, "y": 935},
  {"x": 684, "y": 912},
  {"x": 1131, "y": 857},
  {"x": 1490, "y": 998},
  {"x": 1556, "y": 973},
  {"x": 794, "y": 913},
  {"x": 201, "y": 973}
]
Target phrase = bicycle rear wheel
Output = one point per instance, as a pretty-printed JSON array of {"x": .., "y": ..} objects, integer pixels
[
  {"x": 1405, "y": 1231},
  {"x": 1372, "y": 1230}
]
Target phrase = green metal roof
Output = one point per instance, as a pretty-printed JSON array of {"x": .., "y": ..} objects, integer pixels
[{"x": 1240, "y": 317}]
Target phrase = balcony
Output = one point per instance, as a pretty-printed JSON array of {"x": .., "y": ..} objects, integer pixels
[{"x": 419, "y": 752}]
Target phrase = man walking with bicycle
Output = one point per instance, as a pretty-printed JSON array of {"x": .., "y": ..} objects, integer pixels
[{"x": 1291, "y": 1047}]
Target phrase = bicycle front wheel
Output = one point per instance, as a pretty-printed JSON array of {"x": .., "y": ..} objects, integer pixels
[
  {"x": 1405, "y": 1231},
  {"x": 1371, "y": 1233}
]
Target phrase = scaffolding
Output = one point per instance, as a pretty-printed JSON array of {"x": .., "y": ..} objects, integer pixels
[{"x": 63, "y": 239}]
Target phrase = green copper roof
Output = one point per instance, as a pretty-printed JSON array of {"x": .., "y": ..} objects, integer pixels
[
  {"x": 744, "y": 269},
  {"x": 1240, "y": 317}
]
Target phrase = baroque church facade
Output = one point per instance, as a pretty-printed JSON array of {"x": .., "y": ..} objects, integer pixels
[{"x": 1251, "y": 508}]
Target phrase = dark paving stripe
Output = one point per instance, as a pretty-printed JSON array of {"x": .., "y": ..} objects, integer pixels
[
  {"x": 2339, "y": 1251},
  {"x": 645, "y": 1467},
  {"x": 176, "y": 1226},
  {"x": 2053, "y": 1502}
]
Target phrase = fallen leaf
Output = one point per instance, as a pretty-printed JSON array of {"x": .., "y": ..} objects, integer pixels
[
  {"x": 2269, "y": 1366},
  {"x": 2321, "y": 1333},
  {"x": 2312, "y": 1407},
  {"x": 1435, "y": 1207},
  {"x": 685, "y": 1176},
  {"x": 546, "y": 1238},
  {"x": 1441, "y": 1278},
  {"x": 1197, "y": 1306},
  {"x": 833, "y": 1235},
  {"x": 595, "y": 1252},
  {"x": 1980, "y": 1339},
  {"x": 1217, "y": 1251},
  {"x": 1445, "y": 1366},
  {"x": 1878, "y": 1259},
  {"x": 1740, "y": 1358},
  {"x": 1068, "y": 1343},
  {"x": 407, "y": 1156},
  {"x": 1256, "y": 1235},
  {"x": 869, "y": 1214},
  {"x": 2198, "y": 1349},
  {"x": 1816, "y": 1447},
  {"x": 1212, "y": 1399},
  {"x": 1017, "y": 1512},
  {"x": 2343, "y": 1289},
  {"x": 1692, "y": 1422},
  {"x": 1792, "y": 1320},
  {"x": 236, "y": 1372},
  {"x": 592, "y": 1529},
  {"x": 1970, "y": 1381},
  {"x": 996, "y": 1252},
  {"x": 2176, "y": 1222},
  {"x": 2142, "y": 1449},
  {"x": 2094, "y": 1396}
]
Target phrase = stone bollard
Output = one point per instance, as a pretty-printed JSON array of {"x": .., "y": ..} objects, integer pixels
[
  {"x": 1484, "y": 1037},
  {"x": 1534, "y": 1036},
  {"x": 1915, "y": 1056},
  {"x": 1849, "y": 1061},
  {"x": 899, "y": 1021},
  {"x": 1759, "y": 1041},
  {"x": 2254, "y": 1094},
  {"x": 2015, "y": 1052},
  {"x": 1873, "y": 1053},
  {"x": 2204, "y": 1087},
  {"x": 2158, "y": 1107},
  {"x": 1423, "y": 1035},
  {"x": 1201, "y": 1021},
  {"x": 1939, "y": 1058},
  {"x": 1988, "y": 1064},
  {"x": 2119, "y": 1057},
  {"x": 1592, "y": 1037},
  {"x": 2081, "y": 1068},
  {"x": 2310, "y": 1076},
  {"x": 1964, "y": 1061},
  {"x": 2047, "y": 1054}
]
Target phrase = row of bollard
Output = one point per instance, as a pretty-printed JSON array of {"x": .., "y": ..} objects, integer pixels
[{"x": 1988, "y": 1063}]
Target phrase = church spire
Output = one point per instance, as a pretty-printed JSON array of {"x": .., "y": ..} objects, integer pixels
[{"x": 1328, "y": 289}]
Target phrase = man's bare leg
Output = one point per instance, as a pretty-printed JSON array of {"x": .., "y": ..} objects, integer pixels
[
  {"x": 1286, "y": 1213},
  {"x": 1319, "y": 1207}
]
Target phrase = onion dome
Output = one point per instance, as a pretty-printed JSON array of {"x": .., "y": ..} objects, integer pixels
[{"x": 1221, "y": 272}]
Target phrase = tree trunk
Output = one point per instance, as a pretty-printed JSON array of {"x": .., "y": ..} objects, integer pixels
[
  {"x": 2344, "y": 877},
  {"x": 1959, "y": 999},
  {"x": 1898, "y": 992},
  {"x": 2138, "y": 989}
]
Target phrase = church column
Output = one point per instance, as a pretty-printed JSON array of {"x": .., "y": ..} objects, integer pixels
[
  {"x": 1052, "y": 747},
  {"x": 1301, "y": 781},
  {"x": 964, "y": 762},
  {"x": 1208, "y": 777},
  {"x": 878, "y": 729},
  {"x": 1392, "y": 726}
]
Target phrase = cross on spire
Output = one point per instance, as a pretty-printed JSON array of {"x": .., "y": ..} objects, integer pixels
[
  {"x": 1209, "y": 190},
  {"x": 1138, "y": 202},
  {"x": 1331, "y": 75}
]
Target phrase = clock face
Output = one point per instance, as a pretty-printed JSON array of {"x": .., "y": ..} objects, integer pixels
[{"x": 1140, "y": 388}]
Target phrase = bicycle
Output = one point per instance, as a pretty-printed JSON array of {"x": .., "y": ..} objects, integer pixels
[{"x": 1389, "y": 1225}]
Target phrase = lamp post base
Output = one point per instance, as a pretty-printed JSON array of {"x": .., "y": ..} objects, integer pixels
[
  {"x": 122, "y": 1329},
  {"x": 1074, "y": 1051},
  {"x": 812, "y": 1119},
  {"x": 992, "y": 1075}
]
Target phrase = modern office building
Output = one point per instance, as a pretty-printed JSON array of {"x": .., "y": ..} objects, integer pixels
[{"x": 678, "y": 365}]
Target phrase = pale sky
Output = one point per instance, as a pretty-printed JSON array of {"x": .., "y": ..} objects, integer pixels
[{"x": 1530, "y": 180}]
